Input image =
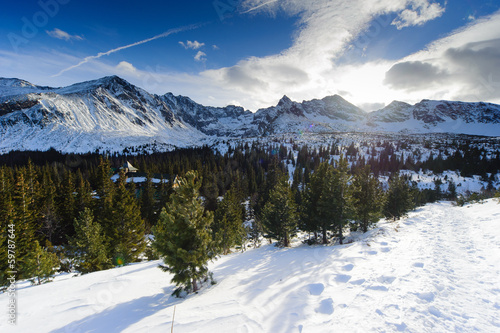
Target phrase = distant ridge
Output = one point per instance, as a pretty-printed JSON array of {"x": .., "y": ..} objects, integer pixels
[{"x": 112, "y": 114}]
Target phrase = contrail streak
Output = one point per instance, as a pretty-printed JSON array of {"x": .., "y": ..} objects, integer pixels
[
  {"x": 259, "y": 6},
  {"x": 100, "y": 54}
]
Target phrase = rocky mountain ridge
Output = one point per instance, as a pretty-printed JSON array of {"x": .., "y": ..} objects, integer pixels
[{"x": 112, "y": 114}]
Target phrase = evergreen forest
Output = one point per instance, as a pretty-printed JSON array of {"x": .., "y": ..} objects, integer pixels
[{"x": 85, "y": 213}]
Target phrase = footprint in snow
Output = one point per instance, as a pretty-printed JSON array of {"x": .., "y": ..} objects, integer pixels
[
  {"x": 401, "y": 327},
  {"x": 316, "y": 289},
  {"x": 418, "y": 264},
  {"x": 427, "y": 297},
  {"x": 348, "y": 268},
  {"x": 378, "y": 288},
  {"x": 386, "y": 279},
  {"x": 342, "y": 278},
  {"x": 358, "y": 282},
  {"x": 325, "y": 307}
]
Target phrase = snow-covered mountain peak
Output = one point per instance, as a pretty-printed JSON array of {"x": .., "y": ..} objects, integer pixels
[
  {"x": 13, "y": 87},
  {"x": 110, "y": 113},
  {"x": 285, "y": 101},
  {"x": 335, "y": 100},
  {"x": 397, "y": 105},
  {"x": 13, "y": 82},
  {"x": 396, "y": 111},
  {"x": 436, "y": 112},
  {"x": 111, "y": 83}
]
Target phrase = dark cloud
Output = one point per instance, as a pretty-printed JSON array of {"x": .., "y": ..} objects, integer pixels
[
  {"x": 238, "y": 76},
  {"x": 472, "y": 69},
  {"x": 255, "y": 77},
  {"x": 286, "y": 74},
  {"x": 414, "y": 75},
  {"x": 478, "y": 66}
]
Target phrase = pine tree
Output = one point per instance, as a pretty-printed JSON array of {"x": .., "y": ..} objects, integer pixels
[
  {"x": 102, "y": 180},
  {"x": 163, "y": 194},
  {"x": 23, "y": 220},
  {"x": 316, "y": 215},
  {"x": 437, "y": 193},
  {"x": 210, "y": 192},
  {"x": 40, "y": 264},
  {"x": 298, "y": 187},
  {"x": 452, "y": 190},
  {"x": 67, "y": 206},
  {"x": 104, "y": 205},
  {"x": 255, "y": 230},
  {"x": 341, "y": 201},
  {"x": 368, "y": 198},
  {"x": 227, "y": 227},
  {"x": 148, "y": 202},
  {"x": 83, "y": 193},
  {"x": 183, "y": 236},
  {"x": 49, "y": 219},
  {"x": 279, "y": 215},
  {"x": 271, "y": 181},
  {"x": 104, "y": 188},
  {"x": 127, "y": 240},
  {"x": 88, "y": 245},
  {"x": 252, "y": 181},
  {"x": 399, "y": 198}
]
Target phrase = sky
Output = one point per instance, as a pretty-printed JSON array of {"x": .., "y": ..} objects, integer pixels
[{"x": 252, "y": 52}]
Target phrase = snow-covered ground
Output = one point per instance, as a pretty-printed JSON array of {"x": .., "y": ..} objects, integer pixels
[
  {"x": 436, "y": 271},
  {"x": 464, "y": 185}
]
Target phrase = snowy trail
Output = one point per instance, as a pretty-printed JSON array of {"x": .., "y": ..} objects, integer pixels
[
  {"x": 436, "y": 271},
  {"x": 432, "y": 276}
]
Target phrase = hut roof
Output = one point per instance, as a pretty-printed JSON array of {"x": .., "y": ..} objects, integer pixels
[{"x": 129, "y": 167}]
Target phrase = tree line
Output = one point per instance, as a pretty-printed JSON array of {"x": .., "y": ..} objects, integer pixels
[{"x": 68, "y": 213}]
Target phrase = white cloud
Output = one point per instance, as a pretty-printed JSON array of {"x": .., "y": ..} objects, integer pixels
[
  {"x": 200, "y": 56},
  {"x": 192, "y": 45},
  {"x": 466, "y": 63},
  {"x": 126, "y": 67},
  {"x": 420, "y": 12},
  {"x": 59, "y": 34},
  {"x": 326, "y": 28}
]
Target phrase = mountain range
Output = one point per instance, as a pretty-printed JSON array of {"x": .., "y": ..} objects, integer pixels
[{"x": 112, "y": 114}]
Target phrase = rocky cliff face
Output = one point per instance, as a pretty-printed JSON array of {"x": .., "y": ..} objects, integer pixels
[{"x": 227, "y": 121}]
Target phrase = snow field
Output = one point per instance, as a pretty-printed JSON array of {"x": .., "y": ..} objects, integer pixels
[{"x": 436, "y": 271}]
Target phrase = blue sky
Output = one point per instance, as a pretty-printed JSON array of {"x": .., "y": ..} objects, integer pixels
[{"x": 252, "y": 52}]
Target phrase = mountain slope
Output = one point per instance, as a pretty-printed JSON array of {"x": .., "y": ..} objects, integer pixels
[
  {"x": 108, "y": 113},
  {"x": 436, "y": 271},
  {"x": 228, "y": 121},
  {"x": 112, "y": 114},
  {"x": 13, "y": 86},
  {"x": 331, "y": 113},
  {"x": 438, "y": 116}
]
